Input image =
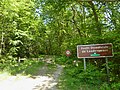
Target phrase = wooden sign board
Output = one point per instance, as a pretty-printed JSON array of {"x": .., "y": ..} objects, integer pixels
[{"x": 94, "y": 51}]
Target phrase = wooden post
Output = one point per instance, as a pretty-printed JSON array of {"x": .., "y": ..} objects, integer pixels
[
  {"x": 84, "y": 64},
  {"x": 107, "y": 68},
  {"x": 2, "y": 43}
]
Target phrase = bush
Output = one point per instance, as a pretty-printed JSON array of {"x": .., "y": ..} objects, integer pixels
[
  {"x": 116, "y": 86},
  {"x": 11, "y": 65},
  {"x": 75, "y": 77},
  {"x": 91, "y": 75},
  {"x": 61, "y": 59}
]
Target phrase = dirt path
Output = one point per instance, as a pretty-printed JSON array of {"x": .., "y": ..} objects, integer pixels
[
  {"x": 56, "y": 76},
  {"x": 45, "y": 80},
  {"x": 52, "y": 81}
]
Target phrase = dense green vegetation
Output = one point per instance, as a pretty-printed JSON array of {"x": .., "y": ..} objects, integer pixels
[
  {"x": 31, "y": 28},
  {"x": 28, "y": 67},
  {"x": 75, "y": 78}
]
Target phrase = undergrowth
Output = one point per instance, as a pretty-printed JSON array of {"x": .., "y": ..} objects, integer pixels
[
  {"x": 75, "y": 78},
  {"x": 28, "y": 67}
]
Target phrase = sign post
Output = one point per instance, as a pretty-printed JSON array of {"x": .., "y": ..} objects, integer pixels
[
  {"x": 95, "y": 51},
  {"x": 107, "y": 68},
  {"x": 84, "y": 64}
]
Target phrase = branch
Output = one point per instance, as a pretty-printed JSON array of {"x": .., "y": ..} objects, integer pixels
[
  {"x": 74, "y": 21},
  {"x": 96, "y": 17}
]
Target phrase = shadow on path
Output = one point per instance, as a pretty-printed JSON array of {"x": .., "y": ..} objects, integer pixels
[{"x": 50, "y": 79}]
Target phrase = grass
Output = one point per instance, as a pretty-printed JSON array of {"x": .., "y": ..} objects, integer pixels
[
  {"x": 28, "y": 67},
  {"x": 33, "y": 68}
]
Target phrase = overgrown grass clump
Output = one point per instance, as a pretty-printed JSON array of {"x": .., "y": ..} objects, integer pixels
[{"x": 27, "y": 67}]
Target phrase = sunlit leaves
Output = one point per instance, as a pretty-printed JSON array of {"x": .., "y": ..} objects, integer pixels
[{"x": 15, "y": 43}]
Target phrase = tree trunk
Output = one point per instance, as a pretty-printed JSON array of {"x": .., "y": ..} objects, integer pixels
[{"x": 96, "y": 17}]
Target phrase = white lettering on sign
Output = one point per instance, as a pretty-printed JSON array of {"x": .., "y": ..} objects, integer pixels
[
  {"x": 83, "y": 51},
  {"x": 99, "y": 47},
  {"x": 85, "y": 48},
  {"x": 88, "y": 51}
]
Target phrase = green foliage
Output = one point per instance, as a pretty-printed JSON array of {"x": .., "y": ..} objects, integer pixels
[
  {"x": 91, "y": 76},
  {"x": 76, "y": 78},
  {"x": 11, "y": 65},
  {"x": 50, "y": 27},
  {"x": 64, "y": 60},
  {"x": 30, "y": 67},
  {"x": 7, "y": 62},
  {"x": 116, "y": 86},
  {"x": 61, "y": 59},
  {"x": 105, "y": 86}
]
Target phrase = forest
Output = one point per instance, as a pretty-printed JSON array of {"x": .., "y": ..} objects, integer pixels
[{"x": 36, "y": 28}]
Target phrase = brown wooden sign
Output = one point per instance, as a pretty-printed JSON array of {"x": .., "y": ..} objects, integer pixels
[{"x": 94, "y": 51}]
